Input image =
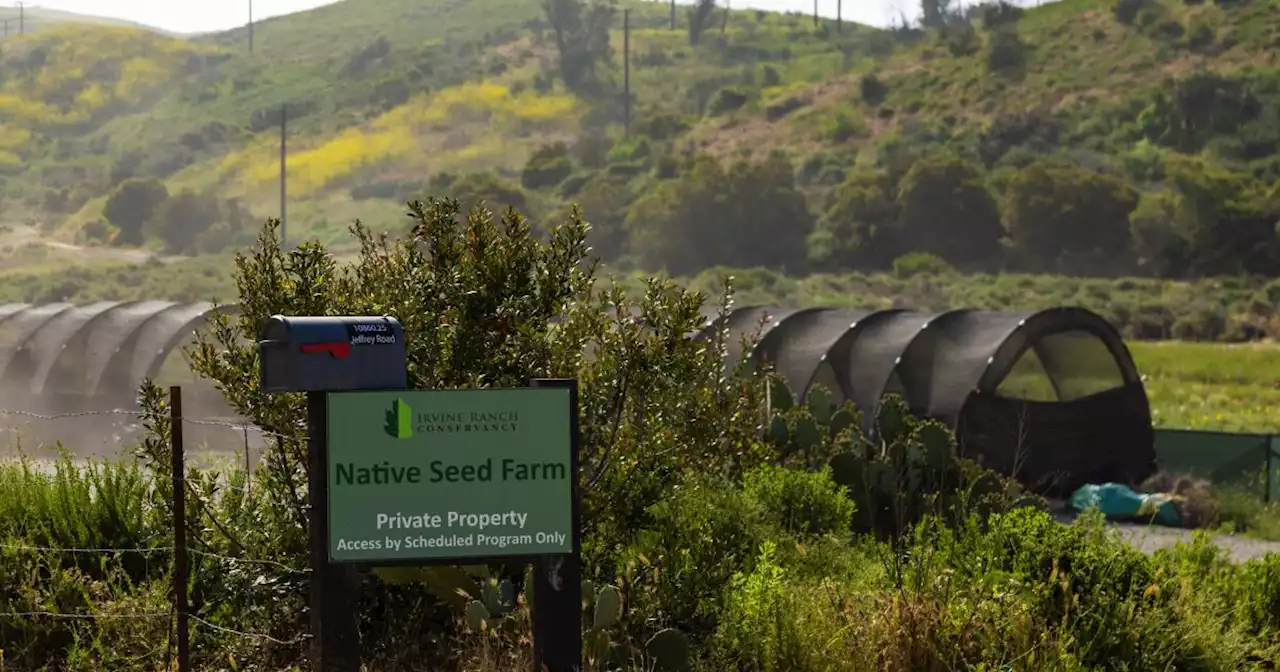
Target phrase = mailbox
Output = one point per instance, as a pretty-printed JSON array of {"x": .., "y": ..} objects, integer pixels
[{"x": 326, "y": 354}]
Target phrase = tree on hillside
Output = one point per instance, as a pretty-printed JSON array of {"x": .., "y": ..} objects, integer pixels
[
  {"x": 193, "y": 222},
  {"x": 179, "y": 221},
  {"x": 1188, "y": 112},
  {"x": 700, "y": 19},
  {"x": 1158, "y": 248},
  {"x": 748, "y": 215},
  {"x": 547, "y": 167},
  {"x": 472, "y": 189},
  {"x": 947, "y": 210},
  {"x": 856, "y": 229},
  {"x": 1226, "y": 219},
  {"x": 934, "y": 13},
  {"x": 602, "y": 203},
  {"x": 1069, "y": 219},
  {"x": 582, "y": 39},
  {"x": 131, "y": 206}
]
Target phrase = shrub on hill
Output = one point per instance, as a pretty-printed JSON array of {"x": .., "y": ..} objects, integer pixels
[
  {"x": 711, "y": 215},
  {"x": 547, "y": 167},
  {"x": 131, "y": 206}
]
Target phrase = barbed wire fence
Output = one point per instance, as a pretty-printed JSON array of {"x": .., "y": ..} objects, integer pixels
[{"x": 180, "y": 616}]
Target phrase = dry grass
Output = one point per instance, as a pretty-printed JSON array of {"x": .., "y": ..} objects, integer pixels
[{"x": 1197, "y": 500}]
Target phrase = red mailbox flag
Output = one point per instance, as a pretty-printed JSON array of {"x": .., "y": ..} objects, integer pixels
[{"x": 339, "y": 349}]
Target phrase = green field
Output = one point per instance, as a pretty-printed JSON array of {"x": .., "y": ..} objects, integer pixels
[{"x": 1234, "y": 388}]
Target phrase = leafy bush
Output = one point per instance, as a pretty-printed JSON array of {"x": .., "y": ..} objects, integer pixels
[
  {"x": 947, "y": 210},
  {"x": 761, "y": 629},
  {"x": 998, "y": 13},
  {"x": 920, "y": 263},
  {"x": 693, "y": 543},
  {"x": 1005, "y": 49},
  {"x": 547, "y": 167},
  {"x": 131, "y": 206},
  {"x": 748, "y": 213},
  {"x": 726, "y": 100},
  {"x": 800, "y": 501},
  {"x": 1126, "y": 11},
  {"x": 873, "y": 90}
]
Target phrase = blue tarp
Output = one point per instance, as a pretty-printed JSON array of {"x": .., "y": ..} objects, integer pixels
[{"x": 1120, "y": 502}]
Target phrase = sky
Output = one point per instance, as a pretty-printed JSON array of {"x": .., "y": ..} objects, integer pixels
[{"x": 214, "y": 15}]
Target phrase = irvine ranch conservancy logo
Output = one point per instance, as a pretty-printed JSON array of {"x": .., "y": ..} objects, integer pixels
[{"x": 403, "y": 423}]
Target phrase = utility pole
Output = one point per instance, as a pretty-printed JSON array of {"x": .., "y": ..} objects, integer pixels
[
  {"x": 22, "y": 19},
  {"x": 815, "y": 13},
  {"x": 839, "y": 16},
  {"x": 673, "y": 14},
  {"x": 626, "y": 71},
  {"x": 284, "y": 109},
  {"x": 251, "y": 26}
]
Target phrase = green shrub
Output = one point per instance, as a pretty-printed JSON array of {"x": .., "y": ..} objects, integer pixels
[
  {"x": 1201, "y": 36},
  {"x": 573, "y": 184},
  {"x": 699, "y": 538},
  {"x": 1005, "y": 49},
  {"x": 1126, "y": 11},
  {"x": 920, "y": 263},
  {"x": 761, "y": 630},
  {"x": 799, "y": 501},
  {"x": 1259, "y": 588},
  {"x": 547, "y": 167},
  {"x": 660, "y": 124},
  {"x": 131, "y": 206},
  {"x": 769, "y": 77},
  {"x": 726, "y": 100},
  {"x": 873, "y": 90}
]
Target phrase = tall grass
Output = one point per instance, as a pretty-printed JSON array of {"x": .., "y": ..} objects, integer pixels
[{"x": 96, "y": 504}]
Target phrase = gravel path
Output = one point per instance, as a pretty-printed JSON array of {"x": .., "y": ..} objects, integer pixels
[{"x": 1149, "y": 538}]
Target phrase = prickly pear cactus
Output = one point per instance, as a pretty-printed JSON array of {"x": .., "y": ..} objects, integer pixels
[
  {"x": 807, "y": 435},
  {"x": 477, "y": 616},
  {"x": 910, "y": 470},
  {"x": 608, "y": 609},
  {"x": 669, "y": 651},
  {"x": 939, "y": 445},
  {"x": 820, "y": 404},
  {"x": 779, "y": 432},
  {"x": 843, "y": 419},
  {"x": 893, "y": 420},
  {"x": 780, "y": 398}
]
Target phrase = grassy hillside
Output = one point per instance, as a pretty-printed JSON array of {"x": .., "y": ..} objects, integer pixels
[
  {"x": 36, "y": 19},
  {"x": 838, "y": 150}
]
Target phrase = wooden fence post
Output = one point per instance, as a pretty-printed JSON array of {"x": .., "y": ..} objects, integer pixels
[{"x": 180, "y": 567}]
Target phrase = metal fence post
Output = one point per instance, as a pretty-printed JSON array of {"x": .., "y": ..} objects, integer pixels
[{"x": 1270, "y": 468}]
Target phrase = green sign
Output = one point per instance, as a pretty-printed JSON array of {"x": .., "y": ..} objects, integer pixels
[{"x": 445, "y": 474}]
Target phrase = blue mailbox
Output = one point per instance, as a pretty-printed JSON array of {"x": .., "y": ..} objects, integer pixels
[{"x": 329, "y": 354}]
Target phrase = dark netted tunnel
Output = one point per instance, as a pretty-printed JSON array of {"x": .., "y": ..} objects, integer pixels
[{"x": 1051, "y": 395}]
